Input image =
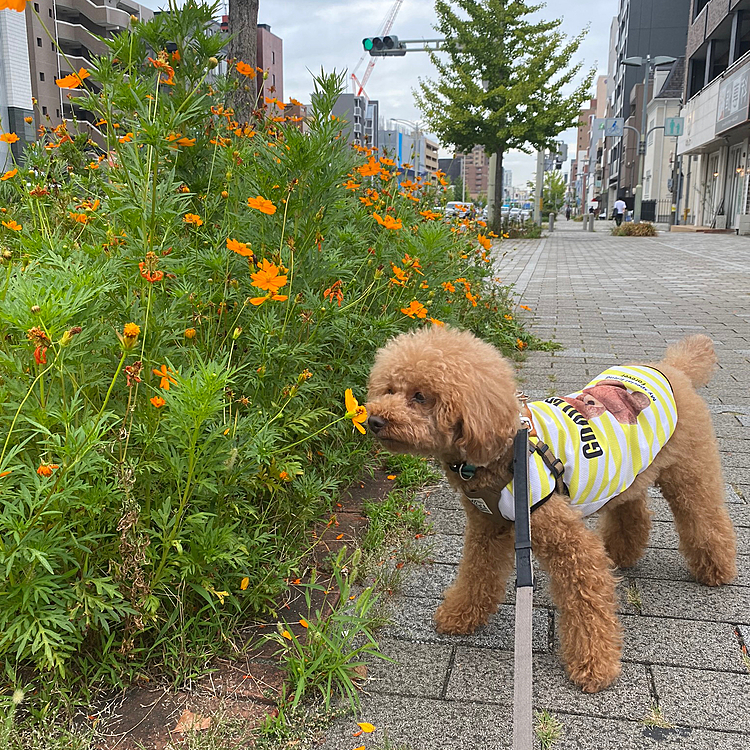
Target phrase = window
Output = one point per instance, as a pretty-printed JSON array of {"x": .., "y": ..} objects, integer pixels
[
  {"x": 36, "y": 7},
  {"x": 38, "y": 42},
  {"x": 699, "y": 6},
  {"x": 719, "y": 57},
  {"x": 273, "y": 57},
  {"x": 44, "y": 111},
  {"x": 41, "y": 76},
  {"x": 58, "y": 113},
  {"x": 696, "y": 77}
]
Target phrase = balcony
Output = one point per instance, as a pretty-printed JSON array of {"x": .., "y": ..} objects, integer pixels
[
  {"x": 79, "y": 35},
  {"x": 105, "y": 16}
]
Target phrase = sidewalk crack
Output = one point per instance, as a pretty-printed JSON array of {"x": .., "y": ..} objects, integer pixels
[{"x": 448, "y": 672}]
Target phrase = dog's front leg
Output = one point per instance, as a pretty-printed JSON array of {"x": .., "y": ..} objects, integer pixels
[
  {"x": 486, "y": 563},
  {"x": 583, "y": 589}
]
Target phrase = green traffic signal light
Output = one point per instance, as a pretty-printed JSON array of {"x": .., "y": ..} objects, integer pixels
[{"x": 367, "y": 44}]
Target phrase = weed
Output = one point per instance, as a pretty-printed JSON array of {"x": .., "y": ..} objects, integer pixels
[
  {"x": 655, "y": 718},
  {"x": 634, "y": 597},
  {"x": 631, "y": 229},
  {"x": 547, "y": 729},
  {"x": 412, "y": 472}
]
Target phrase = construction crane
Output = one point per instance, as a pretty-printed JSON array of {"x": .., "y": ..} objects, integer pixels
[{"x": 358, "y": 87}]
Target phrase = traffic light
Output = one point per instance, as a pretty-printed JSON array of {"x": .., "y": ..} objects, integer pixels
[{"x": 382, "y": 46}]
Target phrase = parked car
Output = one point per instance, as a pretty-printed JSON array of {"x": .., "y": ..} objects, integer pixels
[{"x": 459, "y": 208}]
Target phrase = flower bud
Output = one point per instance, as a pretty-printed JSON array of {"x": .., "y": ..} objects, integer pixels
[
  {"x": 134, "y": 20},
  {"x": 237, "y": 332},
  {"x": 67, "y": 337},
  {"x": 224, "y": 194},
  {"x": 35, "y": 309},
  {"x": 190, "y": 333},
  {"x": 212, "y": 63}
]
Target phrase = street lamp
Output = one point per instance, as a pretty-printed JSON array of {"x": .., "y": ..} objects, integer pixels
[{"x": 649, "y": 63}]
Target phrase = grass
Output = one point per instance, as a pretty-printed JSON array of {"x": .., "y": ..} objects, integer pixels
[
  {"x": 548, "y": 729},
  {"x": 655, "y": 718},
  {"x": 634, "y": 597}
]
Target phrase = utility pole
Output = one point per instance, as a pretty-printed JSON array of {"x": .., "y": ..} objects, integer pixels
[{"x": 539, "y": 187}]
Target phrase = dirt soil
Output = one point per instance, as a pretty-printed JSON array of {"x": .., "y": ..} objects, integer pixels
[{"x": 151, "y": 717}]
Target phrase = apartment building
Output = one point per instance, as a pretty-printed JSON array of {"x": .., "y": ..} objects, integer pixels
[
  {"x": 407, "y": 145},
  {"x": 714, "y": 148},
  {"x": 641, "y": 28},
  {"x": 359, "y": 117},
  {"x": 270, "y": 57},
  {"x": 28, "y": 54},
  {"x": 476, "y": 167}
]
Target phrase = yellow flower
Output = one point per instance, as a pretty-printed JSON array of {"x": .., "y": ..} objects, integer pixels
[
  {"x": 262, "y": 205},
  {"x": 9, "y": 174},
  {"x": 190, "y": 333},
  {"x": 244, "y": 583},
  {"x": 354, "y": 410},
  {"x": 193, "y": 219},
  {"x": 131, "y": 330}
]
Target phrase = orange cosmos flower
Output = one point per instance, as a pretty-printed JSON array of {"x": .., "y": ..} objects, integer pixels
[
  {"x": 415, "y": 310},
  {"x": 246, "y": 70},
  {"x": 370, "y": 169},
  {"x": 190, "y": 333},
  {"x": 521, "y": 344},
  {"x": 240, "y": 248},
  {"x": 9, "y": 174},
  {"x": 126, "y": 138},
  {"x": 8, "y": 137},
  {"x": 12, "y": 224},
  {"x": 389, "y": 222},
  {"x": 80, "y": 218},
  {"x": 17, "y": 5},
  {"x": 193, "y": 219},
  {"x": 164, "y": 373},
  {"x": 387, "y": 162},
  {"x": 448, "y": 287},
  {"x": 354, "y": 411},
  {"x": 268, "y": 278},
  {"x": 525, "y": 307},
  {"x": 436, "y": 322},
  {"x": 334, "y": 292},
  {"x": 157, "y": 401},
  {"x": 262, "y": 205},
  {"x": 73, "y": 80},
  {"x": 45, "y": 470},
  {"x": 401, "y": 276},
  {"x": 485, "y": 242},
  {"x": 148, "y": 268},
  {"x": 186, "y": 141},
  {"x": 430, "y": 215}
]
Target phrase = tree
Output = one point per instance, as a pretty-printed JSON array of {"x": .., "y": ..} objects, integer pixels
[
  {"x": 554, "y": 192},
  {"x": 243, "y": 46},
  {"x": 503, "y": 83}
]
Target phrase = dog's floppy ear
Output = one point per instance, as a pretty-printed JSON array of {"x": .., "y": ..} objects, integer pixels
[{"x": 481, "y": 428}]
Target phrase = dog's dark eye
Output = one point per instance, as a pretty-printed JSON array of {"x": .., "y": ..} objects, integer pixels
[
  {"x": 390, "y": 391},
  {"x": 419, "y": 397}
]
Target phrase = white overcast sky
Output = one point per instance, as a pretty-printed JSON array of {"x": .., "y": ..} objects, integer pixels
[{"x": 329, "y": 33}]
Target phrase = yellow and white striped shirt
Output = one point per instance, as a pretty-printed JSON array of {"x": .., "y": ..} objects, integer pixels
[{"x": 605, "y": 435}]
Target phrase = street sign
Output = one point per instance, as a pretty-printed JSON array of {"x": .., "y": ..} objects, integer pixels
[
  {"x": 674, "y": 126},
  {"x": 642, "y": 148},
  {"x": 614, "y": 126}
]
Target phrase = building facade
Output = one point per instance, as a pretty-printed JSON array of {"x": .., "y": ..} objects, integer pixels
[
  {"x": 412, "y": 151},
  {"x": 270, "y": 57},
  {"x": 641, "y": 28},
  {"x": 360, "y": 119},
  {"x": 714, "y": 148}
]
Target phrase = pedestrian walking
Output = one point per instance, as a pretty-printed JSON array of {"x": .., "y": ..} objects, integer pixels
[
  {"x": 567, "y": 213},
  {"x": 619, "y": 211}
]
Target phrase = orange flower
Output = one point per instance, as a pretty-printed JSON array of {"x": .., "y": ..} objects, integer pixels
[
  {"x": 17, "y": 5},
  {"x": 126, "y": 138},
  {"x": 240, "y": 248},
  {"x": 387, "y": 162},
  {"x": 436, "y": 322},
  {"x": 12, "y": 224},
  {"x": 521, "y": 344},
  {"x": 525, "y": 307},
  {"x": 45, "y": 470},
  {"x": 131, "y": 330},
  {"x": 190, "y": 333},
  {"x": 334, "y": 292},
  {"x": 73, "y": 80},
  {"x": 351, "y": 185},
  {"x": 354, "y": 410},
  {"x": 164, "y": 373},
  {"x": 263, "y": 205},
  {"x": 80, "y": 218},
  {"x": 148, "y": 268},
  {"x": 268, "y": 278},
  {"x": 157, "y": 401},
  {"x": 370, "y": 169},
  {"x": 401, "y": 276},
  {"x": 186, "y": 141},
  {"x": 415, "y": 310},
  {"x": 448, "y": 287},
  {"x": 9, "y": 174},
  {"x": 7, "y": 137},
  {"x": 193, "y": 219},
  {"x": 430, "y": 215},
  {"x": 389, "y": 222},
  {"x": 485, "y": 242},
  {"x": 246, "y": 70}
]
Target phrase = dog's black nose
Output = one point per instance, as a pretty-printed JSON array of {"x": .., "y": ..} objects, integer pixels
[{"x": 376, "y": 423}]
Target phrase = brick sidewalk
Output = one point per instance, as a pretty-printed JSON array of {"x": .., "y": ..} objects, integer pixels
[{"x": 607, "y": 300}]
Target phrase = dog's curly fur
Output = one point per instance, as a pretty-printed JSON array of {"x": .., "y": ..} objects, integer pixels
[{"x": 445, "y": 393}]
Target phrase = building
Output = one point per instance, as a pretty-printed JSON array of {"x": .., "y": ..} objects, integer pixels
[
  {"x": 28, "y": 53},
  {"x": 360, "y": 117},
  {"x": 661, "y": 148},
  {"x": 410, "y": 146},
  {"x": 714, "y": 147},
  {"x": 270, "y": 57},
  {"x": 641, "y": 28},
  {"x": 476, "y": 167},
  {"x": 507, "y": 184}
]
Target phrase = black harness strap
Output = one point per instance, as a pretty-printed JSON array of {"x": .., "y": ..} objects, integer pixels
[{"x": 524, "y": 576}]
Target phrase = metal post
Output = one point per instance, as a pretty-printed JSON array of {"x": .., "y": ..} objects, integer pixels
[
  {"x": 584, "y": 223},
  {"x": 551, "y": 222},
  {"x": 642, "y": 145},
  {"x": 592, "y": 221},
  {"x": 539, "y": 187}
]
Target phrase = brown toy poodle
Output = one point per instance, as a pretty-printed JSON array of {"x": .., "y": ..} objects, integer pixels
[{"x": 445, "y": 393}]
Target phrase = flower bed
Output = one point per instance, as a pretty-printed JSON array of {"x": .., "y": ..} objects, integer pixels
[{"x": 182, "y": 312}]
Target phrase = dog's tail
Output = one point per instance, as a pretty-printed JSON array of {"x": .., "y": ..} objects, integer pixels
[{"x": 695, "y": 356}]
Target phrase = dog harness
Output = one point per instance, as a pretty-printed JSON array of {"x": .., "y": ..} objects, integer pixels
[{"x": 596, "y": 441}]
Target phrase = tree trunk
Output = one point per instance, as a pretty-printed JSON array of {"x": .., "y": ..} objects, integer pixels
[
  {"x": 497, "y": 219},
  {"x": 243, "y": 27}
]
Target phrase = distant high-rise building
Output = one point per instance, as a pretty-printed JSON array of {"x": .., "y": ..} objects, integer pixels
[
  {"x": 411, "y": 149},
  {"x": 360, "y": 118},
  {"x": 270, "y": 58},
  {"x": 476, "y": 171}
]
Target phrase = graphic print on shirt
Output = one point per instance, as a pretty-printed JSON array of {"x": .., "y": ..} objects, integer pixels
[{"x": 605, "y": 435}]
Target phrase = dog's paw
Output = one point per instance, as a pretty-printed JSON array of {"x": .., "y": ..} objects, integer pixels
[
  {"x": 594, "y": 678},
  {"x": 458, "y": 621}
]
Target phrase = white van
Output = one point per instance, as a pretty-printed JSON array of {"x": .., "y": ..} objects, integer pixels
[{"x": 462, "y": 209}]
